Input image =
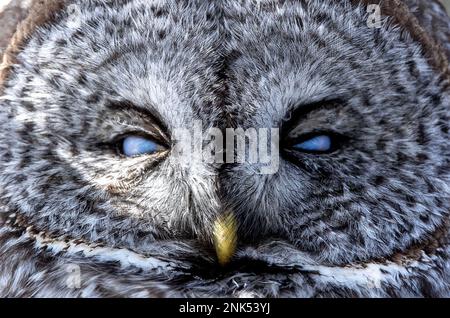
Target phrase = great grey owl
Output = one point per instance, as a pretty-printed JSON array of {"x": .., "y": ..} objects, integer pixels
[{"x": 98, "y": 201}]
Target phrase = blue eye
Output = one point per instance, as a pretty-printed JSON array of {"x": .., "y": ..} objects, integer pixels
[
  {"x": 134, "y": 146},
  {"x": 320, "y": 143}
]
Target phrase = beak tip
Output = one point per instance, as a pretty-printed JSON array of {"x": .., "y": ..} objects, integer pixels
[{"x": 225, "y": 238}]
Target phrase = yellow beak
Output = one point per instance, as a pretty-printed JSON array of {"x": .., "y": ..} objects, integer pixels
[{"x": 225, "y": 237}]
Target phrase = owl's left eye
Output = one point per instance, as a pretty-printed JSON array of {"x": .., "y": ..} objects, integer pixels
[
  {"x": 321, "y": 143},
  {"x": 133, "y": 146},
  {"x": 317, "y": 143}
]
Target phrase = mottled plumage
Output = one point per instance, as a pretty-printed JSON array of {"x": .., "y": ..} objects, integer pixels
[{"x": 368, "y": 219}]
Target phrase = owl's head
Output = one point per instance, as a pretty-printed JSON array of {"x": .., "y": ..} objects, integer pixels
[{"x": 92, "y": 104}]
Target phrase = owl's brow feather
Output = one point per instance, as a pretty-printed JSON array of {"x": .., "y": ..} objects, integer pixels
[{"x": 120, "y": 52}]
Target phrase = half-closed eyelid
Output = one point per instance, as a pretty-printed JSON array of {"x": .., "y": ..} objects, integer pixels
[
  {"x": 134, "y": 130},
  {"x": 149, "y": 124},
  {"x": 319, "y": 142},
  {"x": 151, "y": 113},
  {"x": 297, "y": 113},
  {"x": 118, "y": 140}
]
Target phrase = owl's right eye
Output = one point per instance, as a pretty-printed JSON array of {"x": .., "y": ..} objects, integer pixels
[{"x": 134, "y": 146}]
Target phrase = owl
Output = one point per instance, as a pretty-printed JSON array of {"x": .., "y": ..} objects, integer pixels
[{"x": 102, "y": 102}]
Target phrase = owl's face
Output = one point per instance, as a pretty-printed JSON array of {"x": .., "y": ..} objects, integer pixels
[{"x": 93, "y": 105}]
